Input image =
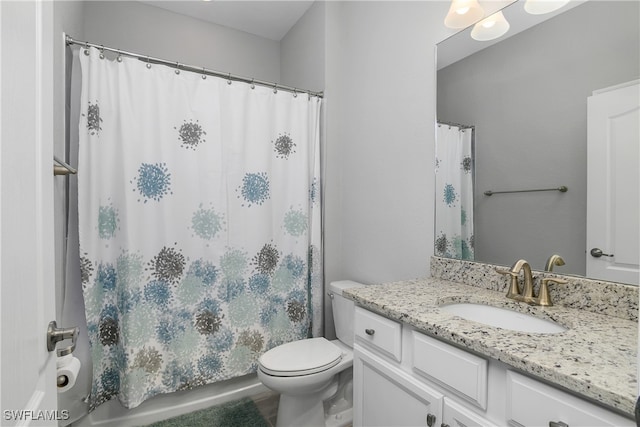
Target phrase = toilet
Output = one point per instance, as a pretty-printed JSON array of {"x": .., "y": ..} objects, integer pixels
[{"x": 314, "y": 376}]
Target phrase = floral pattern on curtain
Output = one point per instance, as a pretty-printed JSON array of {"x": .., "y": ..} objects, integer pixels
[
  {"x": 454, "y": 192},
  {"x": 199, "y": 223}
]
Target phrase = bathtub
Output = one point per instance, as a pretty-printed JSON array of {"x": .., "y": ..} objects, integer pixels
[{"x": 161, "y": 407}]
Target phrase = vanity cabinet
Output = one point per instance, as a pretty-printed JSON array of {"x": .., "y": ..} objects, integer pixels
[
  {"x": 456, "y": 415},
  {"x": 386, "y": 396},
  {"x": 403, "y": 377},
  {"x": 531, "y": 403}
]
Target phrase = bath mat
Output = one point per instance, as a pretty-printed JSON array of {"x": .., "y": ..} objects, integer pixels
[{"x": 239, "y": 413}]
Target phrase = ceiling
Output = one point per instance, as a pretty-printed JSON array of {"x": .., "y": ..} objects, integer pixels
[{"x": 268, "y": 19}]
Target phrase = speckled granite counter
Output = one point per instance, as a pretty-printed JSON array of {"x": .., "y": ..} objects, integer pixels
[{"x": 596, "y": 356}]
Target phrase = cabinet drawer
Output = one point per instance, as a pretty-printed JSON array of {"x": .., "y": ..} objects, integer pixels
[
  {"x": 463, "y": 373},
  {"x": 530, "y": 402},
  {"x": 379, "y": 332}
]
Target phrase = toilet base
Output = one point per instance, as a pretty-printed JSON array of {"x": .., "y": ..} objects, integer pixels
[
  {"x": 296, "y": 411},
  {"x": 340, "y": 419}
]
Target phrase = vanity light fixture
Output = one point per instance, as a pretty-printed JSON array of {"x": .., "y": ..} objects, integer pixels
[
  {"x": 463, "y": 13},
  {"x": 540, "y": 7},
  {"x": 490, "y": 28}
]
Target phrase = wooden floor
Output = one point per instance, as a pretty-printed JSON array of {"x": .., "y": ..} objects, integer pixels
[{"x": 267, "y": 404}]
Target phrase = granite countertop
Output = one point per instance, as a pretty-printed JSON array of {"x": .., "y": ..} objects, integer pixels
[{"x": 596, "y": 357}]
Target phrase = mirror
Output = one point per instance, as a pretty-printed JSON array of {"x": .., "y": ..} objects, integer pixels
[{"x": 525, "y": 95}]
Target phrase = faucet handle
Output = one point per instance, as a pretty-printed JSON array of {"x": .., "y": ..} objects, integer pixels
[
  {"x": 514, "y": 289},
  {"x": 543, "y": 297}
]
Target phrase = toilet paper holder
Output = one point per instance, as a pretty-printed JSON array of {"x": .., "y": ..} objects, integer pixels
[{"x": 55, "y": 334}]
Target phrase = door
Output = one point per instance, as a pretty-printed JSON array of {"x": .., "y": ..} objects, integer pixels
[
  {"x": 613, "y": 183},
  {"x": 28, "y": 393}
]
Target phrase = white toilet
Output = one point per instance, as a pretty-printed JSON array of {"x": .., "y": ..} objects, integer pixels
[{"x": 314, "y": 376}]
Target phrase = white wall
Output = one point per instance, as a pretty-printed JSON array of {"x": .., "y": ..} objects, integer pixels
[
  {"x": 149, "y": 30},
  {"x": 379, "y": 135},
  {"x": 302, "y": 51},
  {"x": 145, "y": 29},
  {"x": 375, "y": 61},
  {"x": 380, "y": 138}
]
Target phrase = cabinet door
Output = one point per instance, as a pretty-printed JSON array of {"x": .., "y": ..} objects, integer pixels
[
  {"x": 532, "y": 403},
  {"x": 386, "y": 396},
  {"x": 456, "y": 415}
]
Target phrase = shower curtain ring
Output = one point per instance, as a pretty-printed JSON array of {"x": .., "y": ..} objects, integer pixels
[
  {"x": 253, "y": 86},
  {"x": 148, "y": 64},
  {"x": 101, "y": 51},
  {"x": 177, "y": 67},
  {"x": 119, "y": 58},
  {"x": 275, "y": 88},
  {"x": 204, "y": 75},
  {"x": 229, "y": 79},
  {"x": 295, "y": 92},
  {"x": 86, "y": 48}
]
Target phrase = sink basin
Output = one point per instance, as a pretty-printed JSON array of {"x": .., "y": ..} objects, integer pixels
[{"x": 503, "y": 318}]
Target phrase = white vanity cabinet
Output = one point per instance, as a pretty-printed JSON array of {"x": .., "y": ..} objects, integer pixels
[
  {"x": 456, "y": 415},
  {"x": 406, "y": 378},
  {"x": 386, "y": 396},
  {"x": 532, "y": 403}
]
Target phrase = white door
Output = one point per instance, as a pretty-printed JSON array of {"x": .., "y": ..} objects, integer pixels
[
  {"x": 613, "y": 182},
  {"x": 28, "y": 393}
]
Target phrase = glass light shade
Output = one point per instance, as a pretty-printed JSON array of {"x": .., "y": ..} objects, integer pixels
[
  {"x": 463, "y": 13},
  {"x": 540, "y": 7},
  {"x": 490, "y": 28}
]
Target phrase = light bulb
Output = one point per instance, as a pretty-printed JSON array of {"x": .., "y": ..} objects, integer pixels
[
  {"x": 490, "y": 28},
  {"x": 463, "y": 13},
  {"x": 540, "y": 7}
]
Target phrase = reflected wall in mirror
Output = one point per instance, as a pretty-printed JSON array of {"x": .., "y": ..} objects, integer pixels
[{"x": 526, "y": 97}]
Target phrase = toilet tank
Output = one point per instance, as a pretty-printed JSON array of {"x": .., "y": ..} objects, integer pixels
[{"x": 343, "y": 310}]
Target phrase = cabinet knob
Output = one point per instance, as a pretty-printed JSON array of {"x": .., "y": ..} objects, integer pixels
[
  {"x": 557, "y": 424},
  {"x": 431, "y": 420},
  {"x": 369, "y": 331}
]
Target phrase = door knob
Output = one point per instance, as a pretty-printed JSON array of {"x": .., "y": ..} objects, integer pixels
[{"x": 597, "y": 253}]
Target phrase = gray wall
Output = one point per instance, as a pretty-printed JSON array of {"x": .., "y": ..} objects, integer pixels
[
  {"x": 68, "y": 18},
  {"x": 528, "y": 135}
]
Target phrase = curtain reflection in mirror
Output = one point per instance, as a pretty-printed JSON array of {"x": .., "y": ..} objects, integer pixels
[{"x": 454, "y": 191}]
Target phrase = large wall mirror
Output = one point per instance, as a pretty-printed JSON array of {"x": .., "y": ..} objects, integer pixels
[{"x": 519, "y": 104}]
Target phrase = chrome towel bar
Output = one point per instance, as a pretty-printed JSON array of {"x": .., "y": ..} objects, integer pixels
[{"x": 562, "y": 189}]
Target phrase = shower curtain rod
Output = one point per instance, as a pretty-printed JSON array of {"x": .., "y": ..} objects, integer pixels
[
  {"x": 201, "y": 70},
  {"x": 461, "y": 126}
]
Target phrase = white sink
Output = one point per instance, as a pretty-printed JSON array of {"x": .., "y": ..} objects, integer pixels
[{"x": 503, "y": 318}]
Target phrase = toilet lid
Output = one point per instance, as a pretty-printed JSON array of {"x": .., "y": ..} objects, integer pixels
[{"x": 302, "y": 357}]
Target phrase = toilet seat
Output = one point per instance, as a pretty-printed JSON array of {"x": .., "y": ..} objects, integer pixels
[{"x": 299, "y": 358}]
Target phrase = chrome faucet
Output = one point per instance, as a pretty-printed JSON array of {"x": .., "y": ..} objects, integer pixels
[
  {"x": 553, "y": 260},
  {"x": 527, "y": 296},
  {"x": 514, "y": 288}
]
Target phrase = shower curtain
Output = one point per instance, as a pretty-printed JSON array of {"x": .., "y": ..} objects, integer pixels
[
  {"x": 454, "y": 192},
  {"x": 199, "y": 223}
]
